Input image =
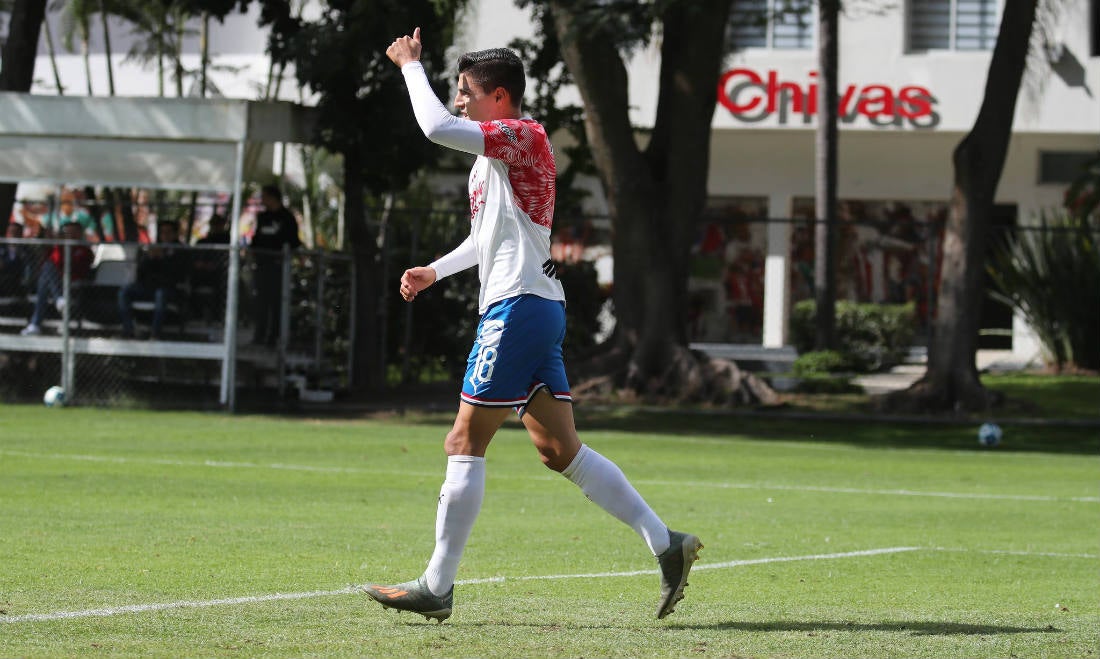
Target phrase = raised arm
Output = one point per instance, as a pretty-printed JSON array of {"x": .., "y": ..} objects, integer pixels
[{"x": 439, "y": 125}]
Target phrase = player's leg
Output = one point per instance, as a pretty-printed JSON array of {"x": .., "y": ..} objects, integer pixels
[
  {"x": 462, "y": 491},
  {"x": 495, "y": 381},
  {"x": 460, "y": 497},
  {"x": 553, "y": 432}
]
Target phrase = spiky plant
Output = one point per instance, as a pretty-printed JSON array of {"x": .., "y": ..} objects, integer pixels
[{"x": 1050, "y": 275}]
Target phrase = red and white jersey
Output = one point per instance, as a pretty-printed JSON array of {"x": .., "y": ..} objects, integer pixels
[{"x": 512, "y": 186}]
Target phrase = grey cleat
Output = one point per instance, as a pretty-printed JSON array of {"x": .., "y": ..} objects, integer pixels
[
  {"x": 675, "y": 563},
  {"x": 413, "y": 596}
]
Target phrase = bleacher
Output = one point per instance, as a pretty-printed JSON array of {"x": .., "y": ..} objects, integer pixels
[{"x": 194, "y": 330}]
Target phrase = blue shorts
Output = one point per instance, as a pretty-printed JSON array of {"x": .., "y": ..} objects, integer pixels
[{"x": 517, "y": 352}]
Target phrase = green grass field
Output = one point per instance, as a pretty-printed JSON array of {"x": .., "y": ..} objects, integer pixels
[{"x": 180, "y": 534}]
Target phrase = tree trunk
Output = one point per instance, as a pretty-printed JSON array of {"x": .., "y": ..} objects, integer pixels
[
  {"x": 365, "y": 359},
  {"x": 825, "y": 163},
  {"x": 53, "y": 58},
  {"x": 107, "y": 48},
  {"x": 204, "y": 52},
  {"x": 656, "y": 195},
  {"x": 951, "y": 381},
  {"x": 178, "y": 54},
  {"x": 86, "y": 52},
  {"x": 17, "y": 73}
]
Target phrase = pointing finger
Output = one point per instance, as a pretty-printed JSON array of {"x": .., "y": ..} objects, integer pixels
[{"x": 416, "y": 35}]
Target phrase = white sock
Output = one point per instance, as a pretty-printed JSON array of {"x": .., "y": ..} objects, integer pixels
[
  {"x": 604, "y": 484},
  {"x": 459, "y": 503}
]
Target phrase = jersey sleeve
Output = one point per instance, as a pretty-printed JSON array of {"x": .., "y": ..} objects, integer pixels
[
  {"x": 439, "y": 125},
  {"x": 462, "y": 257}
]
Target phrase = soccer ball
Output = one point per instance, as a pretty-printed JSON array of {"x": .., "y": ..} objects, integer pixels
[
  {"x": 54, "y": 397},
  {"x": 989, "y": 435}
]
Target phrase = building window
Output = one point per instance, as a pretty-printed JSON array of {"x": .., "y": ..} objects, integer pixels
[
  {"x": 1063, "y": 166},
  {"x": 953, "y": 24},
  {"x": 779, "y": 24}
]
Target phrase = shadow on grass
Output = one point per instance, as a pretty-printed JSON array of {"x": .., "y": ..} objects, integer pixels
[
  {"x": 853, "y": 431},
  {"x": 437, "y": 406},
  {"x": 781, "y": 426},
  {"x": 914, "y": 628}
]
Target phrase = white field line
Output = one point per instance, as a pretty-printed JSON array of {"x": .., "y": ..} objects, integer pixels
[
  {"x": 274, "y": 597},
  {"x": 1010, "y": 552},
  {"x": 901, "y": 493},
  {"x": 218, "y": 464},
  {"x": 253, "y": 599}
]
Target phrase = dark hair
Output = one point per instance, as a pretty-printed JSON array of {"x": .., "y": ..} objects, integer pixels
[
  {"x": 496, "y": 67},
  {"x": 272, "y": 190}
]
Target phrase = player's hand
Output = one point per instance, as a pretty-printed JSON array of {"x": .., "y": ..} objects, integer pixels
[
  {"x": 405, "y": 49},
  {"x": 415, "y": 280}
]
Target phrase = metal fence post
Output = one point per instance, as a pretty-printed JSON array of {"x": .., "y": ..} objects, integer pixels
[
  {"x": 232, "y": 292},
  {"x": 319, "y": 309},
  {"x": 67, "y": 367},
  {"x": 352, "y": 310}
]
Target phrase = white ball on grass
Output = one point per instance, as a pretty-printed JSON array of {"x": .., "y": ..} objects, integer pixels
[
  {"x": 54, "y": 397},
  {"x": 989, "y": 435}
]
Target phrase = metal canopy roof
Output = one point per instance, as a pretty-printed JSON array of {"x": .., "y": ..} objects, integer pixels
[{"x": 173, "y": 143}]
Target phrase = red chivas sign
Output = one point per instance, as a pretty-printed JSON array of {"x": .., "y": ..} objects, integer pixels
[{"x": 751, "y": 98}]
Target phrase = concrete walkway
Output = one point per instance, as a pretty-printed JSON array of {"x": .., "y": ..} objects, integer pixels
[{"x": 904, "y": 375}]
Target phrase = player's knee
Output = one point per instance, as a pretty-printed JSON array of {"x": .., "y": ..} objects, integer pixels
[
  {"x": 554, "y": 457},
  {"x": 457, "y": 442},
  {"x": 460, "y": 441}
]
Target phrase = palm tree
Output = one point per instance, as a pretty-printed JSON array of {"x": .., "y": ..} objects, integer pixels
[
  {"x": 103, "y": 14},
  {"x": 150, "y": 21},
  {"x": 52, "y": 51},
  {"x": 76, "y": 22}
]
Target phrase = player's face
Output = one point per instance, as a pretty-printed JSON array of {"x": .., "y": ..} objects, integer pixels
[{"x": 473, "y": 102}]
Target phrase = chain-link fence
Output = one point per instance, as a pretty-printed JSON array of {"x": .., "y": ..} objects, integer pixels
[{"x": 145, "y": 324}]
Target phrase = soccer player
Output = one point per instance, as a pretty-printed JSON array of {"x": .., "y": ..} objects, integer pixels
[{"x": 516, "y": 360}]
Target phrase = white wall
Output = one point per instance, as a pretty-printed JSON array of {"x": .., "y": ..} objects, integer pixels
[{"x": 892, "y": 165}]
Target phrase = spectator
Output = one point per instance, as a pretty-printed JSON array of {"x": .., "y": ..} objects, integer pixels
[
  {"x": 208, "y": 266},
  {"x": 69, "y": 211},
  {"x": 50, "y": 285},
  {"x": 103, "y": 220},
  {"x": 13, "y": 262},
  {"x": 275, "y": 227},
  {"x": 30, "y": 214},
  {"x": 143, "y": 216},
  {"x": 161, "y": 269}
]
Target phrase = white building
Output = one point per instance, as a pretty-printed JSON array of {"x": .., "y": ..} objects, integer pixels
[{"x": 911, "y": 80}]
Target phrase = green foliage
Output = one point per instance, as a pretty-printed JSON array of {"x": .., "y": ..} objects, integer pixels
[
  {"x": 871, "y": 337},
  {"x": 584, "y": 298},
  {"x": 1051, "y": 276},
  {"x": 822, "y": 372},
  {"x": 546, "y": 76},
  {"x": 817, "y": 362},
  {"x": 432, "y": 336},
  {"x": 362, "y": 103},
  {"x": 1083, "y": 195}
]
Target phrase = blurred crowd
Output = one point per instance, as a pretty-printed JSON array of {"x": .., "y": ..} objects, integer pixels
[{"x": 119, "y": 254}]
